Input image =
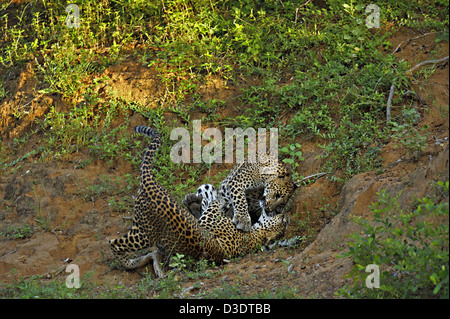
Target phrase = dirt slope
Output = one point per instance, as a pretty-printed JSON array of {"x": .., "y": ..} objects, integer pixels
[{"x": 72, "y": 228}]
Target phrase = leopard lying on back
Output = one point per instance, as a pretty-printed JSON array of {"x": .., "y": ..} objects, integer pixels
[
  {"x": 160, "y": 221},
  {"x": 206, "y": 195}
]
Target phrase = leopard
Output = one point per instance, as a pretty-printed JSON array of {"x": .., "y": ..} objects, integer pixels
[
  {"x": 160, "y": 221},
  {"x": 206, "y": 195},
  {"x": 251, "y": 185},
  {"x": 197, "y": 202}
]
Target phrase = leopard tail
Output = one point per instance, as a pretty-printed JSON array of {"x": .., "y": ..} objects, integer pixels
[{"x": 150, "y": 151}]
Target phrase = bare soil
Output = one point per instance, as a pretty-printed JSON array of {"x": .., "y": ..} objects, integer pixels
[{"x": 79, "y": 227}]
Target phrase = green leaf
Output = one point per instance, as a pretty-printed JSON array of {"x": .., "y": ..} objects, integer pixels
[{"x": 433, "y": 278}]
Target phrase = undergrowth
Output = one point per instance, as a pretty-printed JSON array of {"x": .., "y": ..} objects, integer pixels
[
  {"x": 320, "y": 64},
  {"x": 409, "y": 247},
  {"x": 314, "y": 70}
]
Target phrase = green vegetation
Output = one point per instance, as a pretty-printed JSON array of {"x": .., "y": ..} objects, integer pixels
[
  {"x": 408, "y": 135},
  {"x": 320, "y": 64},
  {"x": 38, "y": 288},
  {"x": 410, "y": 248},
  {"x": 169, "y": 287},
  {"x": 314, "y": 70},
  {"x": 294, "y": 156},
  {"x": 16, "y": 232}
]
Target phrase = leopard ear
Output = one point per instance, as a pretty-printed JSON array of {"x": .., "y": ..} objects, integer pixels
[{"x": 298, "y": 183}]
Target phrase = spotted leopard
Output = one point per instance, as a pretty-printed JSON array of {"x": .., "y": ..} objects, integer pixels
[
  {"x": 197, "y": 202},
  {"x": 160, "y": 221},
  {"x": 249, "y": 186},
  {"x": 206, "y": 195}
]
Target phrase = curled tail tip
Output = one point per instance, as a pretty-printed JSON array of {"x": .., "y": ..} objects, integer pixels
[
  {"x": 141, "y": 129},
  {"x": 145, "y": 130}
]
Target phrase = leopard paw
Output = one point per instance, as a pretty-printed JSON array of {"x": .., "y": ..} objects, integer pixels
[{"x": 193, "y": 203}]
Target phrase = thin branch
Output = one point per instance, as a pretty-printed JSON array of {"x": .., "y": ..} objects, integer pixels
[
  {"x": 389, "y": 103},
  {"x": 305, "y": 3},
  {"x": 308, "y": 177},
  {"x": 9, "y": 253},
  {"x": 391, "y": 91},
  {"x": 296, "y": 10},
  {"x": 409, "y": 40},
  {"x": 426, "y": 62}
]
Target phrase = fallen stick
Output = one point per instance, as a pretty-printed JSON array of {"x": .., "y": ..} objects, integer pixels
[
  {"x": 426, "y": 62},
  {"x": 308, "y": 177},
  {"x": 391, "y": 91},
  {"x": 409, "y": 41},
  {"x": 389, "y": 103}
]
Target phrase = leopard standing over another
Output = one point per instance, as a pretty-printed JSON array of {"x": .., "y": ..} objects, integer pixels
[
  {"x": 160, "y": 221},
  {"x": 206, "y": 203},
  {"x": 249, "y": 186}
]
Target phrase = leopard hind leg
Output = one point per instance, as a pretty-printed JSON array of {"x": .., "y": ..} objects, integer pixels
[
  {"x": 208, "y": 194},
  {"x": 126, "y": 246},
  {"x": 198, "y": 203}
]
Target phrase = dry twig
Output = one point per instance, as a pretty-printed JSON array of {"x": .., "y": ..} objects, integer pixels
[
  {"x": 426, "y": 62},
  {"x": 391, "y": 91},
  {"x": 409, "y": 41},
  {"x": 389, "y": 102}
]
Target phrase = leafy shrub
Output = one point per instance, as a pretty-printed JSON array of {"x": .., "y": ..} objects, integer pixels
[
  {"x": 410, "y": 248},
  {"x": 408, "y": 134},
  {"x": 19, "y": 232},
  {"x": 295, "y": 156}
]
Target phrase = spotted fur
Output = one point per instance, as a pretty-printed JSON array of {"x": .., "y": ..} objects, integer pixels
[
  {"x": 160, "y": 221},
  {"x": 248, "y": 188}
]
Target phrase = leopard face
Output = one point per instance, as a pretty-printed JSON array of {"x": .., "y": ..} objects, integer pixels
[
  {"x": 160, "y": 221},
  {"x": 278, "y": 189},
  {"x": 247, "y": 189}
]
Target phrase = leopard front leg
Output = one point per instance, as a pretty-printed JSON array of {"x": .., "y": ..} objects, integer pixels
[{"x": 241, "y": 217}]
